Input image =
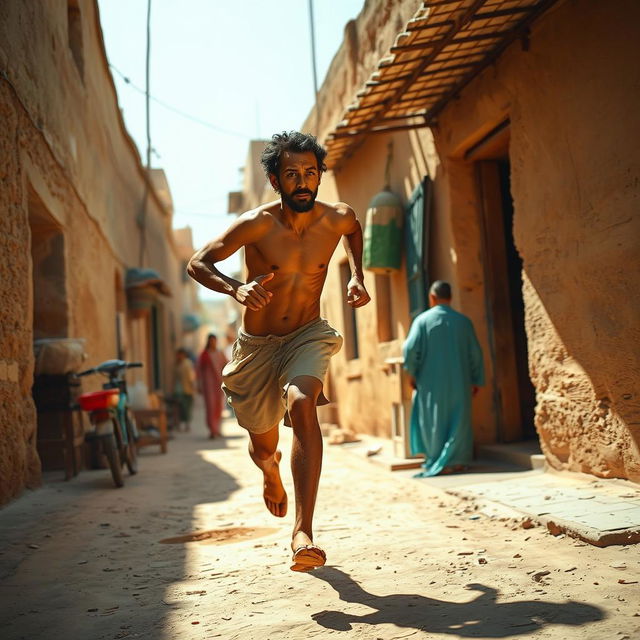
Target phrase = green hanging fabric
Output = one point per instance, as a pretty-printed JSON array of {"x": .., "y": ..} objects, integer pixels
[{"x": 383, "y": 233}]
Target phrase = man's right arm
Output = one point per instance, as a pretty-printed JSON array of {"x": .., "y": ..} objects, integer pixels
[{"x": 247, "y": 229}]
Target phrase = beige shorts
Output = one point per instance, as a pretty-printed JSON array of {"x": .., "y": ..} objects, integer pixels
[{"x": 256, "y": 379}]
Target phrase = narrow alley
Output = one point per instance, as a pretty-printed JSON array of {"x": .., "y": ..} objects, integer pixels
[
  {"x": 409, "y": 227},
  {"x": 187, "y": 550}
]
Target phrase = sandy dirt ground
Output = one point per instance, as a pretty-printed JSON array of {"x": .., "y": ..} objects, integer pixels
[{"x": 81, "y": 560}]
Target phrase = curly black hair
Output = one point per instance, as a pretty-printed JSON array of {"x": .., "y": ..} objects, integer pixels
[{"x": 291, "y": 141}]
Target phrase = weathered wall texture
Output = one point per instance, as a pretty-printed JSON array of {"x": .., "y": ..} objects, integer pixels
[
  {"x": 20, "y": 464},
  {"x": 573, "y": 104},
  {"x": 71, "y": 186}
]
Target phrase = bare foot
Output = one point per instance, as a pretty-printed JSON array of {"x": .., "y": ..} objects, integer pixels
[
  {"x": 306, "y": 555},
  {"x": 275, "y": 497},
  {"x": 300, "y": 539}
]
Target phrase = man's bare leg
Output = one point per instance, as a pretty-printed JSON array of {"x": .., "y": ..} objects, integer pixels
[
  {"x": 306, "y": 459},
  {"x": 263, "y": 449}
]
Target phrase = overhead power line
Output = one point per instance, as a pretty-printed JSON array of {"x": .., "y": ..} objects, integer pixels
[{"x": 177, "y": 111}]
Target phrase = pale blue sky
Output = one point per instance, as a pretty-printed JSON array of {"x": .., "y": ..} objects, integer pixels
[{"x": 241, "y": 65}]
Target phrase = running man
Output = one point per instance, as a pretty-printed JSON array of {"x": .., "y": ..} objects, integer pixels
[{"x": 283, "y": 348}]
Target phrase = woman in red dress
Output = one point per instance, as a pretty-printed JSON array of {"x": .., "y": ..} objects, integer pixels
[{"x": 209, "y": 370}]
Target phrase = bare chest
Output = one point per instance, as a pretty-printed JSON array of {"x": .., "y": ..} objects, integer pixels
[{"x": 284, "y": 251}]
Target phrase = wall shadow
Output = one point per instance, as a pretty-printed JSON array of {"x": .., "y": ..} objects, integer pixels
[{"x": 482, "y": 617}]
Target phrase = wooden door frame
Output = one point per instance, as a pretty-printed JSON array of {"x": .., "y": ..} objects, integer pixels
[{"x": 505, "y": 389}]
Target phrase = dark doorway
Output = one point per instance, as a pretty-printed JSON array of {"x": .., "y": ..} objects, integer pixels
[
  {"x": 513, "y": 392},
  {"x": 48, "y": 278},
  {"x": 514, "y": 276}
]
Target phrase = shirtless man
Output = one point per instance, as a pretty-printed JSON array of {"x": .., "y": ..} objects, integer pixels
[{"x": 283, "y": 349}]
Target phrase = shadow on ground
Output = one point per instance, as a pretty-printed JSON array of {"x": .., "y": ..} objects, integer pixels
[
  {"x": 82, "y": 559},
  {"x": 483, "y": 617}
]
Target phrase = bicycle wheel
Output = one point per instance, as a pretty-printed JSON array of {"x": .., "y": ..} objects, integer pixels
[
  {"x": 131, "y": 456},
  {"x": 112, "y": 454}
]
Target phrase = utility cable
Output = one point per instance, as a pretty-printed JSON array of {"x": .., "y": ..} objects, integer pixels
[{"x": 177, "y": 111}]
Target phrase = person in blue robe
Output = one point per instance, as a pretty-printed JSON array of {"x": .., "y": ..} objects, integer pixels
[{"x": 444, "y": 361}]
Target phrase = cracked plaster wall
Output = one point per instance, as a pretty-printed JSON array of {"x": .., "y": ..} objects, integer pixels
[
  {"x": 572, "y": 100},
  {"x": 62, "y": 139}
]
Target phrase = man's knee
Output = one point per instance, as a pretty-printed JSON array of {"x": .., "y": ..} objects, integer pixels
[
  {"x": 263, "y": 445},
  {"x": 260, "y": 450},
  {"x": 302, "y": 402}
]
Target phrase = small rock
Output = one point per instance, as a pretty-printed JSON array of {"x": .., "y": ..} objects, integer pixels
[
  {"x": 622, "y": 581},
  {"x": 527, "y": 523},
  {"x": 539, "y": 575},
  {"x": 482, "y": 561}
]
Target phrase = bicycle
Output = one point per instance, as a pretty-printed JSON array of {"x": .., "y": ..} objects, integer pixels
[{"x": 113, "y": 426}]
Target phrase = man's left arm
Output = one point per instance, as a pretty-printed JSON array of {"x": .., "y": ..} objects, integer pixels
[{"x": 357, "y": 295}]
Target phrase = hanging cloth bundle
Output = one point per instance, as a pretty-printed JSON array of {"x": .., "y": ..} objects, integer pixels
[{"x": 383, "y": 228}]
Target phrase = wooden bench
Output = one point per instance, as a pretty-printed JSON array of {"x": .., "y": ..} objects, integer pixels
[{"x": 156, "y": 417}]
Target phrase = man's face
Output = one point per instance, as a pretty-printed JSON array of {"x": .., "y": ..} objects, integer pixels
[{"x": 298, "y": 180}]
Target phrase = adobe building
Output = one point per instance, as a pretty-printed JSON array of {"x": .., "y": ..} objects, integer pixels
[
  {"x": 508, "y": 131},
  {"x": 72, "y": 223}
]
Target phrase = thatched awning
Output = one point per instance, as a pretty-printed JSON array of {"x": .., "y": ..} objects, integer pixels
[
  {"x": 442, "y": 48},
  {"x": 137, "y": 278}
]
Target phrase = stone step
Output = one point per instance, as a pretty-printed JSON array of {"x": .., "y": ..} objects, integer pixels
[{"x": 526, "y": 454}]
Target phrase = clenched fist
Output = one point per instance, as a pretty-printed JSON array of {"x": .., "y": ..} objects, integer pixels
[
  {"x": 253, "y": 295},
  {"x": 357, "y": 295}
]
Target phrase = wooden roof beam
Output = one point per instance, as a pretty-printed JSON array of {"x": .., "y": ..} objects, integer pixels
[
  {"x": 517, "y": 32},
  {"x": 440, "y": 44}
]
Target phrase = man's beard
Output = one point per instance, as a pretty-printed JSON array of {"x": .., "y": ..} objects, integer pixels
[{"x": 297, "y": 205}]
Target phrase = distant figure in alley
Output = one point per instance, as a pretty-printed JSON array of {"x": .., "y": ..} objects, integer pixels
[
  {"x": 184, "y": 387},
  {"x": 444, "y": 362},
  {"x": 209, "y": 366},
  {"x": 283, "y": 349}
]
